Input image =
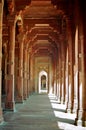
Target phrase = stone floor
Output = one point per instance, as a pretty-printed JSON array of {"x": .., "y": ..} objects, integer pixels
[{"x": 39, "y": 112}]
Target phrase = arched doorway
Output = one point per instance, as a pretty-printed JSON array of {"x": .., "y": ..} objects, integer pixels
[{"x": 43, "y": 82}]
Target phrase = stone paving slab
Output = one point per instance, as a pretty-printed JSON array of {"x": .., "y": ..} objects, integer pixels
[
  {"x": 34, "y": 114},
  {"x": 39, "y": 112}
]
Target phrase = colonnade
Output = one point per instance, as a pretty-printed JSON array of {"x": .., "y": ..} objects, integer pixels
[
  {"x": 16, "y": 65},
  {"x": 71, "y": 88},
  {"x": 69, "y": 72}
]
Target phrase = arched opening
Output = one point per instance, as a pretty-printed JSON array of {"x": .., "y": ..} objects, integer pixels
[{"x": 43, "y": 82}]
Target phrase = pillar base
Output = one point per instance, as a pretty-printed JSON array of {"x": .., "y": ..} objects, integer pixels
[
  {"x": 75, "y": 106},
  {"x": 25, "y": 97},
  {"x": 62, "y": 101},
  {"x": 19, "y": 100},
  {"x": 81, "y": 118},
  {"x": 81, "y": 123},
  {"x": 10, "y": 106},
  {"x": 59, "y": 99},
  {"x": 69, "y": 108},
  {"x": 1, "y": 116}
]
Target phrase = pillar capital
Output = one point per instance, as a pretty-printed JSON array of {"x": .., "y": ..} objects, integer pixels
[
  {"x": 11, "y": 20},
  {"x": 10, "y": 6},
  {"x": 10, "y": 104}
]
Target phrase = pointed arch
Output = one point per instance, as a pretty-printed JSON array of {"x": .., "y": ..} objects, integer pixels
[{"x": 43, "y": 83}]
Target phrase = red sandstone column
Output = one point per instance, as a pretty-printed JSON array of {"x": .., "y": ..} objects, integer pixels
[
  {"x": 28, "y": 73},
  {"x": 81, "y": 110},
  {"x": 67, "y": 78},
  {"x": 76, "y": 78},
  {"x": 59, "y": 78},
  {"x": 54, "y": 78},
  {"x": 31, "y": 73},
  {"x": 63, "y": 82},
  {"x": 20, "y": 70},
  {"x": 10, "y": 104},
  {"x": 63, "y": 73},
  {"x": 70, "y": 72},
  {"x": 57, "y": 74},
  {"x": 81, "y": 66},
  {"x": 25, "y": 74},
  {"x": 57, "y": 85},
  {"x": 1, "y": 17}
]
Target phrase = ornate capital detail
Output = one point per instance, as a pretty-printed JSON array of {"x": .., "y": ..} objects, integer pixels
[
  {"x": 10, "y": 5},
  {"x": 11, "y": 19}
]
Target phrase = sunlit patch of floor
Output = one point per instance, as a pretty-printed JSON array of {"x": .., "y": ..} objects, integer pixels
[
  {"x": 40, "y": 112},
  {"x": 65, "y": 120},
  {"x": 67, "y": 126}
]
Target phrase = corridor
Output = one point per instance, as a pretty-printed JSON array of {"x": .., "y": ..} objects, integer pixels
[
  {"x": 42, "y": 49},
  {"x": 39, "y": 112}
]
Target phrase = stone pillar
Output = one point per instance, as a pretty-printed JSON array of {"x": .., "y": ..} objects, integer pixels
[
  {"x": 31, "y": 73},
  {"x": 81, "y": 63},
  {"x": 76, "y": 78},
  {"x": 1, "y": 17},
  {"x": 67, "y": 78},
  {"x": 25, "y": 74},
  {"x": 10, "y": 104},
  {"x": 16, "y": 67},
  {"x": 62, "y": 73},
  {"x": 81, "y": 110},
  {"x": 6, "y": 71},
  {"x": 54, "y": 78},
  {"x": 58, "y": 76},
  {"x": 63, "y": 83},
  {"x": 70, "y": 73},
  {"x": 19, "y": 98},
  {"x": 57, "y": 93},
  {"x": 55, "y": 85}
]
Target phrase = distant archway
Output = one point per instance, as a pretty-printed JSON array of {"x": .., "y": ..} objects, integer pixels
[{"x": 43, "y": 82}]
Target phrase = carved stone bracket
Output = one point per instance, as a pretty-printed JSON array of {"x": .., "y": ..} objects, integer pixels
[{"x": 10, "y": 4}]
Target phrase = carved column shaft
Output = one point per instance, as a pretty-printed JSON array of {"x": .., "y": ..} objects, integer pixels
[
  {"x": 81, "y": 63},
  {"x": 76, "y": 78},
  {"x": 31, "y": 73},
  {"x": 10, "y": 104},
  {"x": 63, "y": 73},
  {"x": 1, "y": 17},
  {"x": 54, "y": 77},
  {"x": 20, "y": 70},
  {"x": 59, "y": 78},
  {"x": 28, "y": 73},
  {"x": 67, "y": 78},
  {"x": 25, "y": 74},
  {"x": 70, "y": 71},
  {"x": 81, "y": 108}
]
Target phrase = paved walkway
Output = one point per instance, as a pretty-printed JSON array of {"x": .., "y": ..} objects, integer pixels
[{"x": 39, "y": 112}]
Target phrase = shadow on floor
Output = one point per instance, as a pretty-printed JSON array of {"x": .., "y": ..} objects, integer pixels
[{"x": 64, "y": 120}]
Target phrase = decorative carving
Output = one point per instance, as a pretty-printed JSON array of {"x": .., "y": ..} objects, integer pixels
[{"x": 10, "y": 6}]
